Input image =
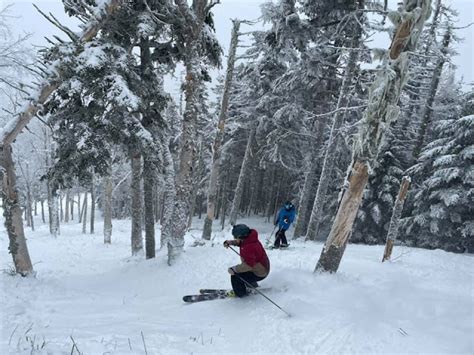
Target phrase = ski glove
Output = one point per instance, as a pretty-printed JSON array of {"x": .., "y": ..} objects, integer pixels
[{"x": 228, "y": 243}]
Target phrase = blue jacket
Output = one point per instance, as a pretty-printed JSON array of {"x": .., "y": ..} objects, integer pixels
[{"x": 285, "y": 218}]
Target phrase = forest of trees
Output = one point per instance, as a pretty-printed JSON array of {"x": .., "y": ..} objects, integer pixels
[{"x": 306, "y": 112}]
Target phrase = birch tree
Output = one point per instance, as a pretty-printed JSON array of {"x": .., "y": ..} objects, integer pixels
[
  {"x": 107, "y": 207},
  {"x": 382, "y": 109}
]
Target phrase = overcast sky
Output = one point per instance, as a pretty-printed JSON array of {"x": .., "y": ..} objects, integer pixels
[{"x": 27, "y": 19}]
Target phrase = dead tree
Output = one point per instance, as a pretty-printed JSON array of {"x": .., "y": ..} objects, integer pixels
[{"x": 395, "y": 220}]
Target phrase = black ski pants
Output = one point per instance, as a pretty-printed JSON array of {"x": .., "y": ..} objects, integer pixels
[
  {"x": 239, "y": 286},
  {"x": 280, "y": 237}
]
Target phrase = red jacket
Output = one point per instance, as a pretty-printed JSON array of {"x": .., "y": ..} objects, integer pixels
[{"x": 253, "y": 256}]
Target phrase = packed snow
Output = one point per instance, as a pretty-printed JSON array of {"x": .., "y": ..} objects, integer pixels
[{"x": 91, "y": 298}]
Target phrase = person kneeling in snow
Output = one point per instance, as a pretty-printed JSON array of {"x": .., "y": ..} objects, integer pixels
[{"x": 255, "y": 264}]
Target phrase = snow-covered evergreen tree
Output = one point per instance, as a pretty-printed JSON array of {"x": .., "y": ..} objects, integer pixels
[{"x": 443, "y": 212}]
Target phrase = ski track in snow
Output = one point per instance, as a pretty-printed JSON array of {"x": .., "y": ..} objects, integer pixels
[{"x": 104, "y": 300}]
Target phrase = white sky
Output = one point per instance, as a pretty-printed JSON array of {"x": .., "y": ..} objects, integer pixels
[{"x": 27, "y": 19}]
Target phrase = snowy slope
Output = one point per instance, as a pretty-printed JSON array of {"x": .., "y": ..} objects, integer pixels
[{"x": 105, "y": 301}]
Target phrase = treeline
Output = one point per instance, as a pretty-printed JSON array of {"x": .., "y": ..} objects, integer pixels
[{"x": 297, "y": 109}]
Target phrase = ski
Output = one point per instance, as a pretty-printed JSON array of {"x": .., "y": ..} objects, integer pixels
[
  {"x": 205, "y": 297},
  {"x": 209, "y": 294},
  {"x": 271, "y": 247},
  {"x": 225, "y": 291},
  {"x": 221, "y": 291}
]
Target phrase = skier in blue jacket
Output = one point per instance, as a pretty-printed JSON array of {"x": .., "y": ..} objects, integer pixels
[{"x": 284, "y": 219}]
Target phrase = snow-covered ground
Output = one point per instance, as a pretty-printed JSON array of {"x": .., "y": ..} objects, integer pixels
[{"x": 105, "y": 302}]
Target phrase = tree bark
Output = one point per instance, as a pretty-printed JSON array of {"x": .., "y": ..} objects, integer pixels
[
  {"x": 148, "y": 187},
  {"x": 43, "y": 219},
  {"x": 84, "y": 213},
  {"x": 53, "y": 203},
  {"x": 136, "y": 198},
  {"x": 395, "y": 220},
  {"x": 383, "y": 98},
  {"x": 342, "y": 227},
  {"x": 12, "y": 213},
  {"x": 92, "y": 204},
  {"x": 79, "y": 209},
  {"x": 244, "y": 171},
  {"x": 71, "y": 196},
  {"x": 216, "y": 149},
  {"x": 67, "y": 207}
]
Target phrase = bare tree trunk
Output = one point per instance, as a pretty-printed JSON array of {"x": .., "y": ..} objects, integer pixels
[
  {"x": 395, "y": 220},
  {"x": 192, "y": 207},
  {"x": 244, "y": 171},
  {"x": 215, "y": 168},
  {"x": 92, "y": 203},
  {"x": 382, "y": 109},
  {"x": 342, "y": 226},
  {"x": 61, "y": 210},
  {"x": 79, "y": 209},
  {"x": 428, "y": 109},
  {"x": 148, "y": 187},
  {"x": 12, "y": 213},
  {"x": 53, "y": 203},
  {"x": 84, "y": 214},
  {"x": 136, "y": 240},
  {"x": 196, "y": 184},
  {"x": 224, "y": 202},
  {"x": 30, "y": 210},
  {"x": 71, "y": 197},
  {"x": 108, "y": 188},
  {"x": 42, "y": 211},
  {"x": 67, "y": 207}
]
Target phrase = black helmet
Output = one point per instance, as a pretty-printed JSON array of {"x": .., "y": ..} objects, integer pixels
[
  {"x": 288, "y": 205},
  {"x": 240, "y": 231}
]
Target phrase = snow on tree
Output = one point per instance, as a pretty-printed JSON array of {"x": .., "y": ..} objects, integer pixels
[
  {"x": 442, "y": 211},
  {"x": 382, "y": 109},
  {"x": 14, "y": 223}
]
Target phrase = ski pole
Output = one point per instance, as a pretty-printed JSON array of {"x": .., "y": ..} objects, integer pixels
[
  {"x": 267, "y": 241},
  {"x": 254, "y": 288}
]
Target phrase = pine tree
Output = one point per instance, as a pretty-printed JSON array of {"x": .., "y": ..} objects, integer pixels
[{"x": 443, "y": 210}]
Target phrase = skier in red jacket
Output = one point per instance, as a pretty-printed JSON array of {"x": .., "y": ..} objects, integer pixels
[{"x": 255, "y": 264}]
